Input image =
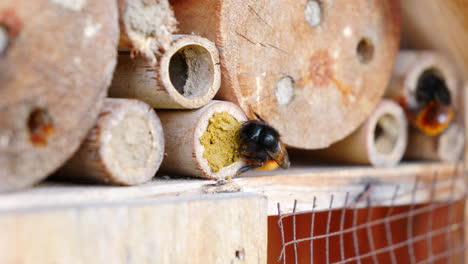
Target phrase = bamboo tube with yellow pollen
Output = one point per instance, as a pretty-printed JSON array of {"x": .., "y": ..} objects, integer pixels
[{"x": 204, "y": 142}]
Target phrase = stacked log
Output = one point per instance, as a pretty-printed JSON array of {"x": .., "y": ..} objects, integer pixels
[
  {"x": 55, "y": 67},
  {"x": 314, "y": 70}
]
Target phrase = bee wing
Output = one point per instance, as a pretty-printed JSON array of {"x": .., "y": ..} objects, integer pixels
[{"x": 281, "y": 157}]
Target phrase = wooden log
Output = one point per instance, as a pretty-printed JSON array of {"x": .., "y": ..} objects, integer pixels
[
  {"x": 447, "y": 32},
  {"x": 380, "y": 141},
  {"x": 146, "y": 26},
  {"x": 314, "y": 70},
  {"x": 125, "y": 147},
  {"x": 55, "y": 68},
  {"x": 224, "y": 228},
  {"x": 417, "y": 74},
  {"x": 448, "y": 146},
  {"x": 203, "y": 142},
  {"x": 187, "y": 75}
]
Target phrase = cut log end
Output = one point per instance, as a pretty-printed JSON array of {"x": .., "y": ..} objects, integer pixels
[
  {"x": 284, "y": 77},
  {"x": 51, "y": 99}
]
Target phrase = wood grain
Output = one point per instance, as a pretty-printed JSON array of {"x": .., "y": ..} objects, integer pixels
[
  {"x": 300, "y": 183},
  {"x": 54, "y": 76},
  {"x": 224, "y": 228},
  {"x": 314, "y": 83},
  {"x": 125, "y": 146},
  {"x": 446, "y": 32}
]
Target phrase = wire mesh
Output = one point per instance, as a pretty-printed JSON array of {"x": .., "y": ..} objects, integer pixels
[{"x": 422, "y": 230}]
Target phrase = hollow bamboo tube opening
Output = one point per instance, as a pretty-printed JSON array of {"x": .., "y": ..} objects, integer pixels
[
  {"x": 416, "y": 71},
  {"x": 380, "y": 141},
  {"x": 125, "y": 147},
  {"x": 187, "y": 75},
  {"x": 203, "y": 142}
]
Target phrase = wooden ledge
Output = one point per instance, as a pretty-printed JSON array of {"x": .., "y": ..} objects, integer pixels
[{"x": 284, "y": 187}]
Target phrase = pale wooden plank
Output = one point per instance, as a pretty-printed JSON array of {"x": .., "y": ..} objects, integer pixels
[
  {"x": 224, "y": 228},
  {"x": 280, "y": 186}
]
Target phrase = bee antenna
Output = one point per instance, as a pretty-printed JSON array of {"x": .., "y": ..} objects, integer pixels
[{"x": 258, "y": 117}]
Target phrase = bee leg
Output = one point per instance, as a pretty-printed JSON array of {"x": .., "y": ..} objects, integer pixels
[{"x": 249, "y": 167}]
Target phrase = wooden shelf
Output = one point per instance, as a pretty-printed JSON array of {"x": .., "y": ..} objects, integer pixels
[
  {"x": 280, "y": 186},
  {"x": 224, "y": 228}
]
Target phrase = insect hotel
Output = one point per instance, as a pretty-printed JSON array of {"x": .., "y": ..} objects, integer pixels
[{"x": 202, "y": 131}]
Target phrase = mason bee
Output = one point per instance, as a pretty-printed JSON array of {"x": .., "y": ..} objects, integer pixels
[
  {"x": 261, "y": 146},
  {"x": 436, "y": 111}
]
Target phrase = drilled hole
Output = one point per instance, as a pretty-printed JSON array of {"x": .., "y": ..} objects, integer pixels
[
  {"x": 284, "y": 91},
  {"x": 4, "y": 39},
  {"x": 386, "y": 134},
  {"x": 40, "y": 126},
  {"x": 365, "y": 51},
  {"x": 240, "y": 254},
  {"x": 313, "y": 13},
  {"x": 191, "y": 71}
]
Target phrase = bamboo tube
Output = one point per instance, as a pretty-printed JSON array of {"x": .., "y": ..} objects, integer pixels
[
  {"x": 410, "y": 66},
  {"x": 146, "y": 26},
  {"x": 448, "y": 146},
  {"x": 380, "y": 141},
  {"x": 446, "y": 142},
  {"x": 125, "y": 147},
  {"x": 55, "y": 66},
  {"x": 297, "y": 63},
  {"x": 184, "y": 131},
  {"x": 187, "y": 75}
]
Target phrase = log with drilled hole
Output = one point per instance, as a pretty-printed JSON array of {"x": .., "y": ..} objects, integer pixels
[
  {"x": 55, "y": 67},
  {"x": 125, "y": 146},
  {"x": 146, "y": 26},
  {"x": 312, "y": 69},
  {"x": 187, "y": 75}
]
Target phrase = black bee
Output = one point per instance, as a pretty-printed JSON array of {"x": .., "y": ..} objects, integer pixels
[
  {"x": 436, "y": 111},
  {"x": 261, "y": 146}
]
